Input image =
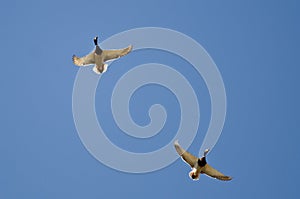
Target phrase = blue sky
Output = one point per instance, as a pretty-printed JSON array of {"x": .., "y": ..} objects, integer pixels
[{"x": 255, "y": 45}]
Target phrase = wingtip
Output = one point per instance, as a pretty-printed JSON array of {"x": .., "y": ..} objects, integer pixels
[
  {"x": 130, "y": 48},
  {"x": 178, "y": 148},
  {"x": 176, "y": 142},
  {"x": 227, "y": 178},
  {"x": 73, "y": 58}
]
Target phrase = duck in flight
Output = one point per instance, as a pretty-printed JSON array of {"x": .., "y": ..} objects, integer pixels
[
  {"x": 199, "y": 165},
  {"x": 99, "y": 56}
]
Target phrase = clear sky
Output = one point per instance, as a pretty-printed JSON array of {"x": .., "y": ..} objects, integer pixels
[{"x": 255, "y": 45}]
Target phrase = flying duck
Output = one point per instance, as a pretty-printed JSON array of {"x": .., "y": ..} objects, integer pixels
[
  {"x": 99, "y": 56},
  {"x": 199, "y": 165}
]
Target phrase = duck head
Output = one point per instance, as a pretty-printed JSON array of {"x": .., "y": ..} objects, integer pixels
[{"x": 96, "y": 40}]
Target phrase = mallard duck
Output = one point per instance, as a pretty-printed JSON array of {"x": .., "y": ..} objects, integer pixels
[
  {"x": 99, "y": 56},
  {"x": 199, "y": 165}
]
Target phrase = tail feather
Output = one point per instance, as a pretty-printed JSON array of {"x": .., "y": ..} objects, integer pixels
[{"x": 95, "y": 69}]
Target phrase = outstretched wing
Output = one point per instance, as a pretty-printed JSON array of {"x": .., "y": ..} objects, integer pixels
[
  {"x": 186, "y": 156},
  {"x": 113, "y": 54},
  {"x": 83, "y": 61},
  {"x": 208, "y": 170}
]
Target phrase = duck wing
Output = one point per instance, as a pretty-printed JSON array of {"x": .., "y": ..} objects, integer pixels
[
  {"x": 186, "y": 156},
  {"x": 83, "y": 61},
  {"x": 113, "y": 54},
  {"x": 210, "y": 171}
]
